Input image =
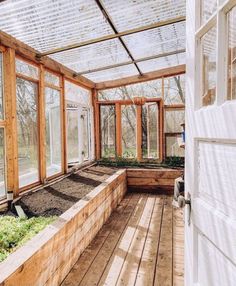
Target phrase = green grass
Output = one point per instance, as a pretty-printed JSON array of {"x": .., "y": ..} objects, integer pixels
[{"x": 14, "y": 232}]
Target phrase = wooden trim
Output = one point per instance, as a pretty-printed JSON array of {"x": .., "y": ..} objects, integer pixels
[
  {"x": 127, "y": 101},
  {"x": 42, "y": 126},
  {"x": 174, "y": 106},
  {"x": 161, "y": 131},
  {"x": 64, "y": 126},
  {"x": 139, "y": 132},
  {"x": 118, "y": 130},
  {"x": 96, "y": 125},
  {"x": 11, "y": 121},
  {"x": 52, "y": 86},
  {"x": 29, "y": 53},
  {"x": 114, "y": 36},
  {"x": 28, "y": 78},
  {"x": 167, "y": 72}
]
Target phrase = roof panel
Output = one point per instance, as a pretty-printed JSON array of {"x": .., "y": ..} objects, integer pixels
[
  {"x": 157, "y": 41},
  {"x": 129, "y": 14},
  {"x": 112, "y": 74},
  {"x": 93, "y": 56},
  {"x": 161, "y": 63},
  {"x": 49, "y": 24}
]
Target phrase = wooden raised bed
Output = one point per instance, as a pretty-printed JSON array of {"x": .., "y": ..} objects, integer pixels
[
  {"x": 48, "y": 257},
  {"x": 161, "y": 180}
]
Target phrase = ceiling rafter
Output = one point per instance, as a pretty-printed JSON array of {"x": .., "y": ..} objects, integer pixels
[
  {"x": 109, "y": 20},
  {"x": 132, "y": 62},
  {"x": 114, "y": 36}
]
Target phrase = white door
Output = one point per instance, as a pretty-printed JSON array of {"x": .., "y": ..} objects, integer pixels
[{"x": 210, "y": 239}]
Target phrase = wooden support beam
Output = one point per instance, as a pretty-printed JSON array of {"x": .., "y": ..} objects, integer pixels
[
  {"x": 139, "y": 132},
  {"x": 114, "y": 36},
  {"x": 31, "y": 54},
  {"x": 167, "y": 72},
  {"x": 11, "y": 121},
  {"x": 118, "y": 131},
  {"x": 96, "y": 125},
  {"x": 42, "y": 126},
  {"x": 161, "y": 131},
  {"x": 64, "y": 126}
]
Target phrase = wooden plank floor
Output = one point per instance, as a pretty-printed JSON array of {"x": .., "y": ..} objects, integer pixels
[{"x": 141, "y": 244}]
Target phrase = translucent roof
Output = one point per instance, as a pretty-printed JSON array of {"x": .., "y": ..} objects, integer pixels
[{"x": 49, "y": 25}]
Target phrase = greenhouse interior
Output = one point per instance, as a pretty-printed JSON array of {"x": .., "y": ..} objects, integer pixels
[{"x": 117, "y": 142}]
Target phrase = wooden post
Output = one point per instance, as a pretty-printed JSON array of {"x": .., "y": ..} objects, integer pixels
[
  {"x": 161, "y": 131},
  {"x": 139, "y": 131},
  {"x": 11, "y": 122},
  {"x": 64, "y": 126},
  {"x": 96, "y": 125},
  {"x": 42, "y": 126},
  {"x": 118, "y": 131}
]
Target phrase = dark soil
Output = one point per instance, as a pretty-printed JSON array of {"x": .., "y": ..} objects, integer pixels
[{"x": 57, "y": 198}]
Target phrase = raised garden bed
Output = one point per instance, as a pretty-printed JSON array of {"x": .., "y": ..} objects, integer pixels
[{"x": 48, "y": 257}]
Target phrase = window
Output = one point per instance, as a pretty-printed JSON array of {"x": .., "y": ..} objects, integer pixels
[
  {"x": 85, "y": 132},
  {"x": 128, "y": 121},
  {"x": 174, "y": 89},
  {"x": 150, "y": 136},
  {"x": 208, "y": 8},
  {"x": 208, "y": 58},
  {"x": 231, "y": 94},
  {"x": 72, "y": 135},
  {"x": 108, "y": 131},
  {"x": 53, "y": 131},
  {"x": 27, "y": 69},
  {"x": 27, "y": 131}
]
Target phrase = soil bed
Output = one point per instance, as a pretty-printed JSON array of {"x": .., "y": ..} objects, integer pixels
[{"x": 57, "y": 198}]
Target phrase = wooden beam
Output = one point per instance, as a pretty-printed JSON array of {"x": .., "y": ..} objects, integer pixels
[
  {"x": 42, "y": 127},
  {"x": 161, "y": 131},
  {"x": 11, "y": 121},
  {"x": 132, "y": 62},
  {"x": 118, "y": 130},
  {"x": 145, "y": 77},
  {"x": 114, "y": 36},
  {"x": 97, "y": 136},
  {"x": 31, "y": 54},
  {"x": 64, "y": 126},
  {"x": 139, "y": 132}
]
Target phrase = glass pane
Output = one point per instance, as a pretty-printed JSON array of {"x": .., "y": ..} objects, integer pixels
[
  {"x": 208, "y": 8},
  {"x": 77, "y": 94},
  {"x": 128, "y": 120},
  {"x": 85, "y": 126},
  {"x": 173, "y": 148},
  {"x": 173, "y": 120},
  {"x": 232, "y": 55},
  {"x": 1, "y": 87},
  {"x": 72, "y": 136},
  {"x": 150, "y": 89},
  {"x": 52, "y": 79},
  {"x": 53, "y": 131},
  {"x": 27, "y": 69},
  {"x": 108, "y": 131},
  {"x": 208, "y": 43},
  {"x": 150, "y": 134},
  {"x": 174, "y": 90},
  {"x": 2, "y": 164},
  {"x": 27, "y": 131}
]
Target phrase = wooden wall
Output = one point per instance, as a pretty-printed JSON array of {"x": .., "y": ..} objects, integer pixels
[
  {"x": 161, "y": 180},
  {"x": 49, "y": 256}
]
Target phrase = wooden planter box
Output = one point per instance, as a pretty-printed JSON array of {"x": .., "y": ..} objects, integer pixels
[
  {"x": 159, "y": 180},
  {"x": 48, "y": 257}
]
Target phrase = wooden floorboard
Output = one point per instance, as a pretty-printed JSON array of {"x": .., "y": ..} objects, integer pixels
[{"x": 141, "y": 244}]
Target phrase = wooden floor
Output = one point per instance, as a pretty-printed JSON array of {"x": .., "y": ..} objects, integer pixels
[{"x": 141, "y": 244}]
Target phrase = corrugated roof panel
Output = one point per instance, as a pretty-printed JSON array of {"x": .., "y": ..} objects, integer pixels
[
  {"x": 93, "y": 56},
  {"x": 49, "y": 24},
  {"x": 112, "y": 74},
  {"x": 161, "y": 63},
  {"x": 129, "y": 14},
  {"x": 157, "y": 41}
]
